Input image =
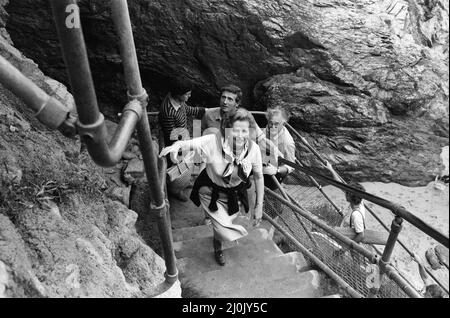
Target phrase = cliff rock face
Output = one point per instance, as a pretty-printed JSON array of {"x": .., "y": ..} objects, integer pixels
[
  {"x": 373, "y": 92},
  {"x": 367, "y": 80},
  {"x": 60, "y": 234}
]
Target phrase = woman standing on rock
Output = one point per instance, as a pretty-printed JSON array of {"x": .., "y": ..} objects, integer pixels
[{"x": 221, "y": 188}]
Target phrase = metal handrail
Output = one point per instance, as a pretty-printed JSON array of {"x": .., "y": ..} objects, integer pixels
[
  {"x": 388, "y": 270},
  {"x": 305, "y": 142},
  {"x": 395, "y": 208},
  {"x": 374, "y": 258},
  {"x": 290, "y": 199},
  {"x": 48, "y": 110},
  {"x": 91, "y": 124},
  {"x": 323, "y": 161}
]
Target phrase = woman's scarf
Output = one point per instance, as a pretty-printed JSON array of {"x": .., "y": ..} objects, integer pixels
[{"x": 244, "y": 167}]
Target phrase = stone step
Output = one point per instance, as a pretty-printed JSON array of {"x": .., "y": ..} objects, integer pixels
[
  {"x": 191, "y": 247},
  {"x": 242, "y": 256},
  {"x": 333, "y": 296},
  {"x": 184, "y": 214},
  {"x": 305, "y": 285},
  {"x": 257, "y": 282},
  {"x": 191, "y": 233},
  {"x": 202, "y": 231}
]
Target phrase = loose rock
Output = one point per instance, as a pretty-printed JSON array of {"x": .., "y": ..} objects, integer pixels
[
  {"x": 432, "y": 259},
  {"x": 128, "y": 155},
  {"x": 122, "y": 194},
  {"x": 442, "y": 254},
  {"x": 134, "y": 171},
  {"x": 10, "y": 171}
]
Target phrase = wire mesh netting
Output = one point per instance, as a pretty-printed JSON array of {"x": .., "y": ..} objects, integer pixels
[
  {"x": 352, "y": 267},
  {"x": 299, "y": 181}
]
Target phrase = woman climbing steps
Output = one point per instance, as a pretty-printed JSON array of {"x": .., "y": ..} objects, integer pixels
[{"x": 221, "y": 188}]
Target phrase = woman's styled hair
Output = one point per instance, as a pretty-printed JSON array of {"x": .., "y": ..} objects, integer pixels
[
  {"x": 353, "y": 198},
  {"x": 233, "y": 89},
  {"x": 180, "y": 87},
  {"x": 278, "y": 110},
  {"x": 241, "y": 115}
]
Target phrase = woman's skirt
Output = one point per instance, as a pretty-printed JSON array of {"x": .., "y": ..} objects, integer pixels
[{"x": 222, "y": 223}]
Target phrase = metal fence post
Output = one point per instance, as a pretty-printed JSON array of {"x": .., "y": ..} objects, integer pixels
[
  {"x": 396, "y": 227},
  {"x": 121, "y": 19}
]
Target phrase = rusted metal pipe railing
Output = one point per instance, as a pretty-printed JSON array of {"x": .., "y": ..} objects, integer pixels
[
  {"x": 395, "y": 276},
  {"x": 318, "y": 186},
  {"x": 377, "y": 218},
  {"x": 323, "y": 161},
  {"x": 91, "y": 124},
  {"x": 395, "y": 208},
  {"x": 389, "y": 271},
  {"x": 48, "y": 110},
  {"x": 122, "y": 22},
  {"x": 305, "y": 142},
  {"x": 76, "y": 60},
  {"x": 289, "y": 198},
  {"x": 387, "y": 253},
  {"x": 392, "y": 239}
]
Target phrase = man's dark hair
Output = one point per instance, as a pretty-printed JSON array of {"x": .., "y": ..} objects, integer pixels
[
  {"x": 233, "y": 89},
  {"x": 353, "y": 198},
  {"x": 180, "y": 87}
]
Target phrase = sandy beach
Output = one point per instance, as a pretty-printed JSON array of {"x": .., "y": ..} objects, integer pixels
[{"x": 430, "y": 203}]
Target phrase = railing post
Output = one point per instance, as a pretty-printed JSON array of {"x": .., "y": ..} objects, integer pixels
[
  {"x": 158, "y": 204},
  {"x": 396, "y": 227}
]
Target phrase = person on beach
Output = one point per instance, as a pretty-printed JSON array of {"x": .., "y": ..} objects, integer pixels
[
  {"x": 355, "y": 218},
  {"x": 173, "y": 117},
  {"x": 282, "y": 139},
  {"x": 221, "y": 188}
]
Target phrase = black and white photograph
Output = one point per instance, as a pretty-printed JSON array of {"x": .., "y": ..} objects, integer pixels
[{"x": 224, "y": 154}]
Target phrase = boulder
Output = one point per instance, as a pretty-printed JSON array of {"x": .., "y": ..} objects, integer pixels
[
  {"x": 122, "y": 194},
  {"x": 432, "y": 259},
  {"x": 133, "y": 171},
  {"x": 127, "y": 155},
  {"x": 10, "y": 171},
  {"x": 442, "y": 254}
]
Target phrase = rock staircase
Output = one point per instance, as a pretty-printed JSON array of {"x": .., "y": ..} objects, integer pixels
[{"x": 255, "y": 266}]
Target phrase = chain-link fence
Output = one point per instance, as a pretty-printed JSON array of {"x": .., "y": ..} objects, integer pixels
[
  {"x": 354, "y": 268},
  {"x": 299, "y": 184}
]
